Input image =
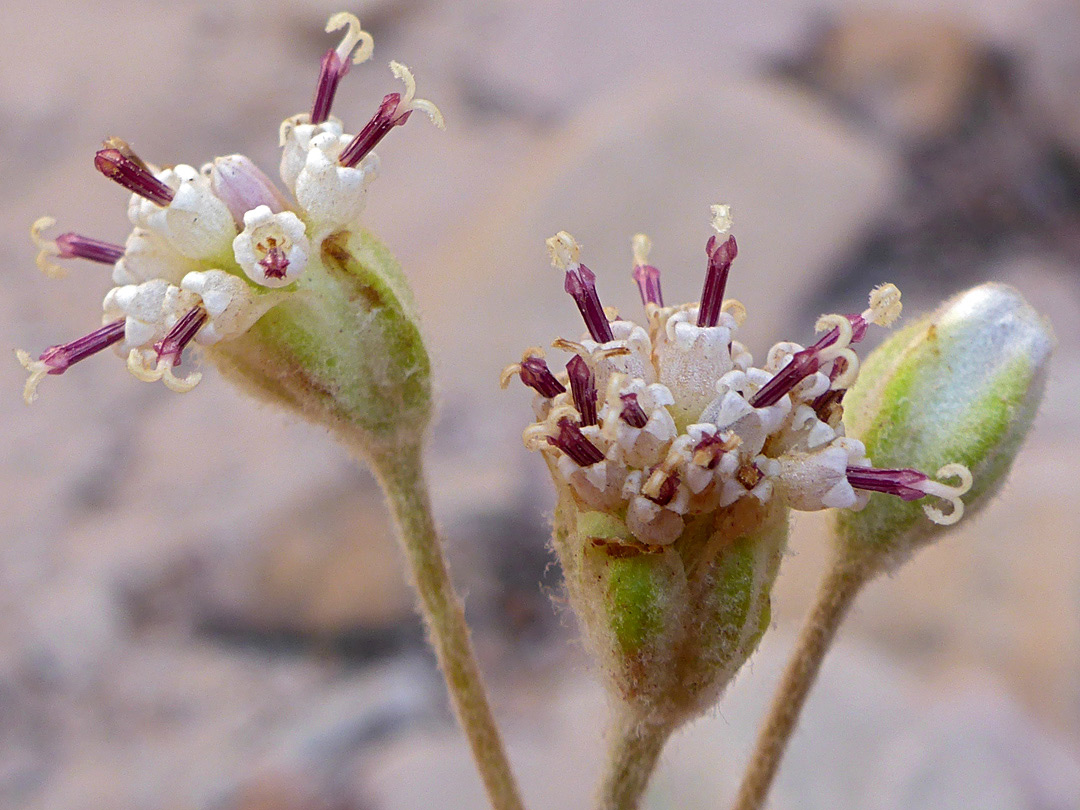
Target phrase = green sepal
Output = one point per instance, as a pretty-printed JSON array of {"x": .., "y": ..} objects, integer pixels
[{"x": 344, "y": 349}]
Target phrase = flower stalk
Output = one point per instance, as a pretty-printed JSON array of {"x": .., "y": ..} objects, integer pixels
[
  {"x": 633, "y": 754},
  {"x": 835, "y": 595},
  {"x": 400, "y": 473}
]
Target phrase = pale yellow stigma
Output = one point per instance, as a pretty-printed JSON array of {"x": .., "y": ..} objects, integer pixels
[
  {"x": 355, "y": 35},
  {"x": 736, "y": 309},
  {"x": 839, "y": 322},
  {"x": 885, "y": 306},
  {"x": 563, "y": 250},
  {"x": 408, "y": 102},
  {"x": 642, "y": 247},
  {"x": 143, "y": 368},
  {"x": 37, "y": 370},
  {"x": 721, "y": 218},
  {"x": 947, "y": 492},
  {"x": 47, "y": 249}
]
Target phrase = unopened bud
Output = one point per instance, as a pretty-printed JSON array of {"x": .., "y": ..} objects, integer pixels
[{"x": 960, "y": 386}]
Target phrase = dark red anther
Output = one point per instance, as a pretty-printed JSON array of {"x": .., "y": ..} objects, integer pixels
[
  {"x": 893, "y": 482},
  {"x": 580, "y": 283},
  {"x": 666, "y": 491},
  {"x": 802, "y": 365},
  {"x": 274, "y": 263},
  {"x": 574, "y": 443},
  {"x": 827, "y": 401},
  {"x": 707, "y": 452},
  {"x": 632, "y": 412},
  {"x": 749, "y": 475},
  {"x": 76, "y": 246},
  {"x": 721, "y": 255},
  {"x": 60, "y": 358},
  {"x": 648, "y": 282},
  {"x": 177, "y": 339},
  {"x": 123, "y": 166},
  {"x": 374, "y": 130},
  {"x": 331, "y": 72},
  {"x": 536, "y": 374},
  {"x": 582, "y": 388}
]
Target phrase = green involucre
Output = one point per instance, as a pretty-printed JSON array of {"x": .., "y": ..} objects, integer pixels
[{"x": 637, "y": 600}]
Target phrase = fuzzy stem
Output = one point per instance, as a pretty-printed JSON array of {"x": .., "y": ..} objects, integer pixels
[
  {"x": 835, "y": 595},
  {"x": 633, "y": 755},
  {"x": 400, "y": 473}
]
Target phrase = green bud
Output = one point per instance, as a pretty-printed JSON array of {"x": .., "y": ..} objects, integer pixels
[
  {"x": 671, "y": 625},
  {"x": 344, "y": 350},
  {"x": 960, "y": 386}
]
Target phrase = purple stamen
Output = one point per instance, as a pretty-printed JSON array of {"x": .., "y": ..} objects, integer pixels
[
  {"x": 132, "y": 174},
  {"x": 60, "y": 358},
  {"x": 632, "y": 412},
  {"x": 859, "y": 326},
  {"x": 374, "y": 130},
  {"x": 581, "y": 285},
  {"x": 891, "y": 482},
  {"x": 648, "y": 281},
  {"x": 536, "y": 374},
  {"x": 331, "y": 72},
  {"x": 823, "y": 404},
  {"x": 177, "y": 339},
  {"x": 574, "y": 443},
  {"x": 806, "y": 362},
  {"x": 666, "y": 491},
  {"x": 274, "y": 264},
  {"x": 712, "y": 295},
  {"x": 802, "y": 365},
  {"x": 582, "y": 388},
  {"x": 76, "y": 246}
]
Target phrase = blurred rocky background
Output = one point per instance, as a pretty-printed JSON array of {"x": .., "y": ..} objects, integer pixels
[{"x": 200, "y": 601}]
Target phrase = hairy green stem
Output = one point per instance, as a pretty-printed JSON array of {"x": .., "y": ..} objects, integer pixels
[
  {"x": 835, "y": 595},
  {"x": 400, "y": 472},
  {"x": 633, "y": 755}
]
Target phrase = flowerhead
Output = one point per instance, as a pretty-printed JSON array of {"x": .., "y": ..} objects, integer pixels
[
  {"x": 676, "y": 459},
  {"x": 660, "y": 421},
  {"x": 213, "y": 249}
]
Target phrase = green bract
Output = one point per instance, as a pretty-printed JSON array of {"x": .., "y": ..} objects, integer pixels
[
  {"x": 671, "y": 625},
  {"x": 960, "y": 385},
  {"x": 345, "y": 350}
]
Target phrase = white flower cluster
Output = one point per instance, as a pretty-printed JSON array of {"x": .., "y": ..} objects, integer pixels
[
  {"x": 210, "y": 246},
  {"x": 661, "y": 423},
  {"x": 703, "y": 445}
]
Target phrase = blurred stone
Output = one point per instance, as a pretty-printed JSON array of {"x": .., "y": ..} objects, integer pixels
[
  {"x": 913, "y": 77},
  {"x": 975, "y": 750},
  {"x": 1050, "y": 69},
  {"x": 324, "y": 569}
]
